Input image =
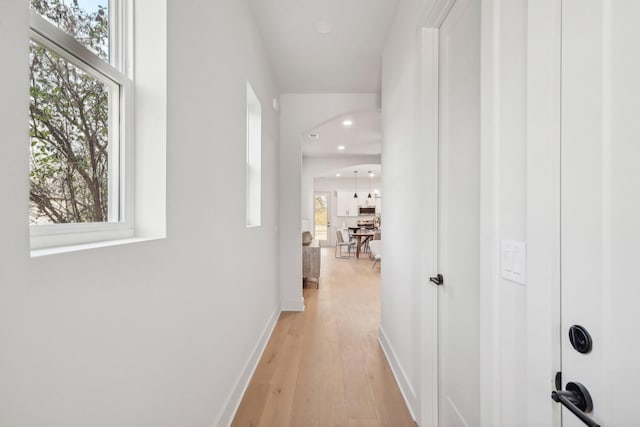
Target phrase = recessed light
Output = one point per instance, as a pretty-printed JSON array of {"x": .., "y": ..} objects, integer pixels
[
  {"x": 371, "y": 174},
  {"x": 347, "y": 123},
  {"x": 337, "y": 174},
  {"x": 341, "y": 147},
  {"x": 323, "y": 27}
]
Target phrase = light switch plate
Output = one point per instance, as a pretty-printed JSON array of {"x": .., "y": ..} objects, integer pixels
[{"x": 514, "y": 261}]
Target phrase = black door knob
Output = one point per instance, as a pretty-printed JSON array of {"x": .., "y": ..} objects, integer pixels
[
  {"x": 580, "y": 339},
  {"x": 577, "y": 399},
  {"x": 438, "y": 280}
]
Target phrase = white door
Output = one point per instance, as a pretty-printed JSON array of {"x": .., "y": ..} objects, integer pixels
[
  {"x": 459, "y": 216},
  {"x": 600, "y": 206},
  {"x": 322, "y": 218}
]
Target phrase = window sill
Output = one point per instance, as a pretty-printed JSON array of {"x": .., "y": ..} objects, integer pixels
[{"x": 36, "y": 253}]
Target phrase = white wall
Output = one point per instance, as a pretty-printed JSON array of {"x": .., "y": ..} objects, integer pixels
[
  {"x": 299, "y": 113},
  {"x": 511, "y": 135},
  {"x": 404, "y": 155},
  {"x": 403, "y": 158},
  {"x": 156, "y": 333}
]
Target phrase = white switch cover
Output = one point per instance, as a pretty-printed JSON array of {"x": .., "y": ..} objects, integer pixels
[{"x": 514, "y": 261}]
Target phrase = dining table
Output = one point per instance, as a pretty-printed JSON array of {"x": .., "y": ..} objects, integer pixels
[{"x": 362, "y": 238}]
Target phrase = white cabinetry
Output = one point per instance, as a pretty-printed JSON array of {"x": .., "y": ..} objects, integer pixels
[
  {"x": 346, "y": 204},
  {"x": 363, "y": 200}
]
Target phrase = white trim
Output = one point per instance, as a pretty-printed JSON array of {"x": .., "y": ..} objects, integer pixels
[
  {"x": 293, "y": 304},
  {"x": 117, "y": 33},
  {"x": 543, "y": 210},
  {"x": 408, "y": 393},
  {"x": 148, "y": 43},
  {"x": 86, "y": 246},
  {"x": 253, "y": 159},
  {"x": 126, "y": 154},
  {"x": 429, "y": 110},
  {"x": 438, "y": 12},
  {"x": 51, "y": 236},
  {"x": 232, "y": 403},
  {"x": 490, "y": 124},
  {"x": 50, "y": 35},
  {"x": 455, "y": 409}
]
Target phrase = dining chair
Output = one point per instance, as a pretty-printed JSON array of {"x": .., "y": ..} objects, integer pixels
[
  {"x": 341, "y": 244},
  {"x": 375, "y": 253}
]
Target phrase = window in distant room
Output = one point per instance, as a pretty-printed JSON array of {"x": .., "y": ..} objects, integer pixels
[
  {"x": 254, "y": 158},
  {"x": 80, "y": 96}
]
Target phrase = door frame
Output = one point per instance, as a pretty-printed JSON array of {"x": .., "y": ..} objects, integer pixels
[
  {"x": 490, "y": 381},
  {"x": 543, "y": 332}
]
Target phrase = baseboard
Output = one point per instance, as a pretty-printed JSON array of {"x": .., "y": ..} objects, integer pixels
[
  {"x": 293, "y": 304},
  {"x": 403, "y": 382},
  {"x": 240, "y": 387}
]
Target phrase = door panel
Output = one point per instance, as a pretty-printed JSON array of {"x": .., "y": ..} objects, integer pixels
[
  {"x": 600, "y": 206},
  {"x": 582, "y": 192},
  {"x": 458, "y": 217}
]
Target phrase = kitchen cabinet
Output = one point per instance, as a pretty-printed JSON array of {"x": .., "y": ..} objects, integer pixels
[
  {"x": 346, "y": 204},
  {"x": 378, "y": 202},
  {"x": 363, "y": 200}
]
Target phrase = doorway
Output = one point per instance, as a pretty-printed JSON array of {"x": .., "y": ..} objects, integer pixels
[
  {"x": 451, "y": 372},
  {"x": 321, "y": 215}
]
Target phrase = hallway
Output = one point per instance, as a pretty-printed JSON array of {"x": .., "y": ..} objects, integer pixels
[{"x": 324, "y": 366}]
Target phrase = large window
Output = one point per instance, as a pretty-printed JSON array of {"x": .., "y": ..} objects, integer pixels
[
  {"x": 254, "y": 158},
  {"x": 80, "y": 96}
]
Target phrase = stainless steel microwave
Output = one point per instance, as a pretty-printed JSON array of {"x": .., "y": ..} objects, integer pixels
[{"x": 366, "y": 210}]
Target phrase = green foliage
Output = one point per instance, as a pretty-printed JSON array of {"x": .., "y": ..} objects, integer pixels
[{"x": 69, "y": 123}]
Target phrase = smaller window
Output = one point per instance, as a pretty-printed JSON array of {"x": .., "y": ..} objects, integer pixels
[{"x": 254, "y": 158}]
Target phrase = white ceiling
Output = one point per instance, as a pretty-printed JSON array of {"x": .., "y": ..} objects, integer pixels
[
  {"x": 348, "y": 172},
  {"x": 347, "y": 60},
  {"x": 364, "y": 136}
]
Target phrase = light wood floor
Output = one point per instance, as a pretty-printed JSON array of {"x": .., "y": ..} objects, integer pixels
[{"x": 324, "y": 366}]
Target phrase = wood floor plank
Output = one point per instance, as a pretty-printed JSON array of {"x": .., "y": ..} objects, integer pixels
[
  {"x": 324, "y": 366},
  {"x": 364, "y": 423},
  {"x": 278, "y": 405},
  {"x": 252, "y": 406}
]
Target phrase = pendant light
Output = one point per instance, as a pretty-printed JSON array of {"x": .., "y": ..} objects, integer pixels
[
  {"x": 369, "y": 196},
  {"x": 355, "y": 185}
]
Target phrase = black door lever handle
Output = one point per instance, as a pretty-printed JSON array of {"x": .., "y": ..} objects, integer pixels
[
  {"x": 578, "y": 400},
  {"x": 438, "y": 280}
]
